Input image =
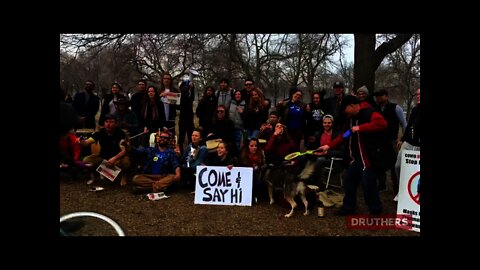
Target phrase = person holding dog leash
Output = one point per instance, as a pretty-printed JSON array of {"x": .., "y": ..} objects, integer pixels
[{"x": 362, "y": 143}]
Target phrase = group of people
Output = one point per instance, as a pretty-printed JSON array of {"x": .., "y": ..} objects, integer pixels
[{"x": 247, "y": 131}]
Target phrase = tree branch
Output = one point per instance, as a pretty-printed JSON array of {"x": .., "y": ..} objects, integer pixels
[{"x": 389, "y": 47}]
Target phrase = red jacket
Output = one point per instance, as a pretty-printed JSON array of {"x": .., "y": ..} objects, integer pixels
[
  {"x": 69, "y": 147},
  {"x": 370, "y": 123}
]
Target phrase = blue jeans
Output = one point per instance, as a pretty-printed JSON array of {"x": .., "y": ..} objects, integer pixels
[
  {"x": 238, "y": 138},
  {"x": 367, "y": 177},
  {"x": 252, "y": 133}
]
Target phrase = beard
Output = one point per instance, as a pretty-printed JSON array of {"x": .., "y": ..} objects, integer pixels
[{"x": 163, "y": 143}]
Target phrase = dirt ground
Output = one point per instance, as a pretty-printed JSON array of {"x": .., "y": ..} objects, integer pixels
[{"x": 179, "y": 216}]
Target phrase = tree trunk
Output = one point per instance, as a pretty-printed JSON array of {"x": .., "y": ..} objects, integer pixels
[
  {"x": 367, "y": 59},
  {"x": 364, "y": 72}
]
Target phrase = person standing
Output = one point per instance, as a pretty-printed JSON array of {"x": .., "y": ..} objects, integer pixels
[
  {"x": 393, "y": 114},
  {"x": 256, "y": 113},
  {"x": 185, "y": 123},
  {"x": 411, "y": 139},
  {"x": 136, "y": 100},
  {"x": 333, "y": 104},
  {"x": 293, "y": 114},
  {"x": 364, "y": 124},
  {"x": 224, "y": 94},
  {"x": 237, "y": 113},
  {"x": 87, "y": 104},
  {"x": 170, "y": 109},
  {"x": 152, "y": 115},
  {"x": 108, "y": 106},
  {"x": 206, "y": 109},
  {"x": 246, "y": 91},
  {"x": 314, "y": 117}
]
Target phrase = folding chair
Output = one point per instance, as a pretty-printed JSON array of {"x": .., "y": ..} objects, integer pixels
[{"x": 330, "y": 170}]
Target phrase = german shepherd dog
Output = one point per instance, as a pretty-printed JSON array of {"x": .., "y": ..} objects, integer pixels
[{"x": 283, "y": 178}]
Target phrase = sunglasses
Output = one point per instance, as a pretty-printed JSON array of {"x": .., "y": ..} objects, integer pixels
[
  {"x": 220, "y": 111},
  {"x": 248, "y": 84}
]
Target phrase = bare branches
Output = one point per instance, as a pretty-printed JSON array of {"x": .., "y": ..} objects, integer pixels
[
  {"x": 389, "y": 47},
  {"x": 275, "y": 61}
]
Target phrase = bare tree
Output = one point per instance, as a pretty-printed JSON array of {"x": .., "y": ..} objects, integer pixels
[
  {"x": 405, "y": 64},
  {"x": 318, "y": 49},
  {"x": 275, "y": 61},
  {"x": 367, "y": 58}
]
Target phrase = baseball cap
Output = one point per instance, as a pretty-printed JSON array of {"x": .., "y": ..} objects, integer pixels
[
  {"x": 111, "y": 116},
  {"x": 338, "y": 84},
  {"x": 381, "y": 92}
]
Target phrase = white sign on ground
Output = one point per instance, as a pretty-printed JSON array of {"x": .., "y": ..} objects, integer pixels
[
  {"x": 221, "y": 186},
  {"x": 109, "y": 173},
  {"x": 409, "y": 195}
]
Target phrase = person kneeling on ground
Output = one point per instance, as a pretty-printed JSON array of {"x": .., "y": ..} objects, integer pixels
[{"x": 112, "y": 150}]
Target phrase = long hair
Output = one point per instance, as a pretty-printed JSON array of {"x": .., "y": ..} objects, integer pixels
[
  {"x": 147, "y": 101},
  {"x": 205, "y": 97},
  {"x": 257, "y": 104},
  {"x": 259, "y": 157}
]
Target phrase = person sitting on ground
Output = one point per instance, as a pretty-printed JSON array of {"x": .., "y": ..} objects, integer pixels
[
  {"x": 162, "y": 168},
  {"x": 267, "y": 128},
  {"x": 194, "y": 155},
  {"x": 252, "y": 156},
  {"x": 70, "y": 151},
  {"x": 222, "y": 126},
  {"x": 224, "y": 157},
  {"x": 279, "y": 145}
]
